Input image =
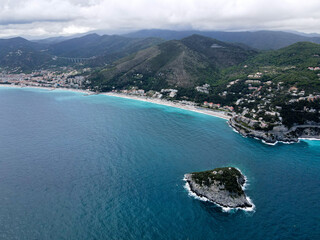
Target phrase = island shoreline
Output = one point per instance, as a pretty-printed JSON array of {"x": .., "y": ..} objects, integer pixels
[{"x": 200, "y": 197}]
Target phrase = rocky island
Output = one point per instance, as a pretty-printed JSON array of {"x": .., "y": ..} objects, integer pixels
[{"x": 222, "y": 186}]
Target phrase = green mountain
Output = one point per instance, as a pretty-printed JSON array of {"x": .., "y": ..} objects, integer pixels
[
  {"x": 288, "y": 65},
  {"x": 302, "y": 54},
  {"x": 115, "y": 53},
  {"x": 181, "y": 64},
  {"x": 94, "y": 45},
  {"x": 220, "y": 54},
  {"x": 263, "y": 40},
  {"x": 22, "y": 55},
  {"x": 92, "y": 50}
]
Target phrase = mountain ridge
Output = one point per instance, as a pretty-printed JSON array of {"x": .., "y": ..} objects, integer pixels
[
  {"x": 263, "y": 40},
  {"x": 175, "y": 63}
]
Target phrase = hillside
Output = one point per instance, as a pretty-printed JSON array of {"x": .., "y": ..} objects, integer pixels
[
  {"x": 263, "y": 40},
  {"x": 94, "y": 45},
  {"x": 19, "y": 54},
  {"x": 192, "y": 61},
  {"x": 278, "y": 87},
  {"x": 22, "y": 55},
  {"x": 288, "y": 65},
  {"x": 220, "y": 54},
  {"x": 302, "y": 54}
]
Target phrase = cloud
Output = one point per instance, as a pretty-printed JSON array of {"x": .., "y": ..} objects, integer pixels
[
  {"x": 28, "y": 11},
  {"x": 56, "y": 17}
]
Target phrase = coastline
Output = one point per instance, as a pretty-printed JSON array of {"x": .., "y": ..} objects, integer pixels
[
  {"x": 167, "y": 103},
  {"x": 293, "y": 135},
  {"x": 48, "y": 88},
  {"x": 163, "y": 102}
]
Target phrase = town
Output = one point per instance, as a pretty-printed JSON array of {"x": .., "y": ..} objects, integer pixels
[{"x": 66, "y": 77}]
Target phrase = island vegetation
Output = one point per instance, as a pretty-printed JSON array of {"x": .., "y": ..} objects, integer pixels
[{"x": 226, "y": 177}]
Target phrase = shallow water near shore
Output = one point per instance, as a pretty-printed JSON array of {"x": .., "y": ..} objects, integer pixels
[{"x": 101, "y": 167}]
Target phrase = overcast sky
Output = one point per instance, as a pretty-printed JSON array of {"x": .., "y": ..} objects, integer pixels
[{"x": 43, "y": 18}]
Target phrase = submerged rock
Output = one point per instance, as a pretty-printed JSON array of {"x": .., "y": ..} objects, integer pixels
[{"x": 223, "y": 186}]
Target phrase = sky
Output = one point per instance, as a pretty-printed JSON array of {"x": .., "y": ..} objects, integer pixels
[{"x": 46, "y": 18}]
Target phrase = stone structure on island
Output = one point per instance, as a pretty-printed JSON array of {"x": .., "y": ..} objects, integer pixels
[{"x": 222, "y": 186}]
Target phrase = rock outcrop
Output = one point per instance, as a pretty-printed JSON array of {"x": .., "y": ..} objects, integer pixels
[
  {"x": 222, "y": 186},
  {"x": 277, "y": 134}
]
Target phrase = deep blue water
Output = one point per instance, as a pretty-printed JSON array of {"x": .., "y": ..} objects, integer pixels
[{"x": 99, "y": 167}]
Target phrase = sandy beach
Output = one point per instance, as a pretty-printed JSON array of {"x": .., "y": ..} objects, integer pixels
[{"x": 218, "y": 114}]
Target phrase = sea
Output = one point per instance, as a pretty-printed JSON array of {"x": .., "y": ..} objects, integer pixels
[{"x": 103, "y": 167}]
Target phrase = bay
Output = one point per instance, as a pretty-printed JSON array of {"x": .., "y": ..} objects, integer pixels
[{"x": 101, "y": 167}]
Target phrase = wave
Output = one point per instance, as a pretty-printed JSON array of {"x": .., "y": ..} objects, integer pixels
[{"x": 310, "y": 139}]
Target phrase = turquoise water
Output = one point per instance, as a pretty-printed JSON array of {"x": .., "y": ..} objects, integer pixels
[{"x": 99, "y": 167}]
